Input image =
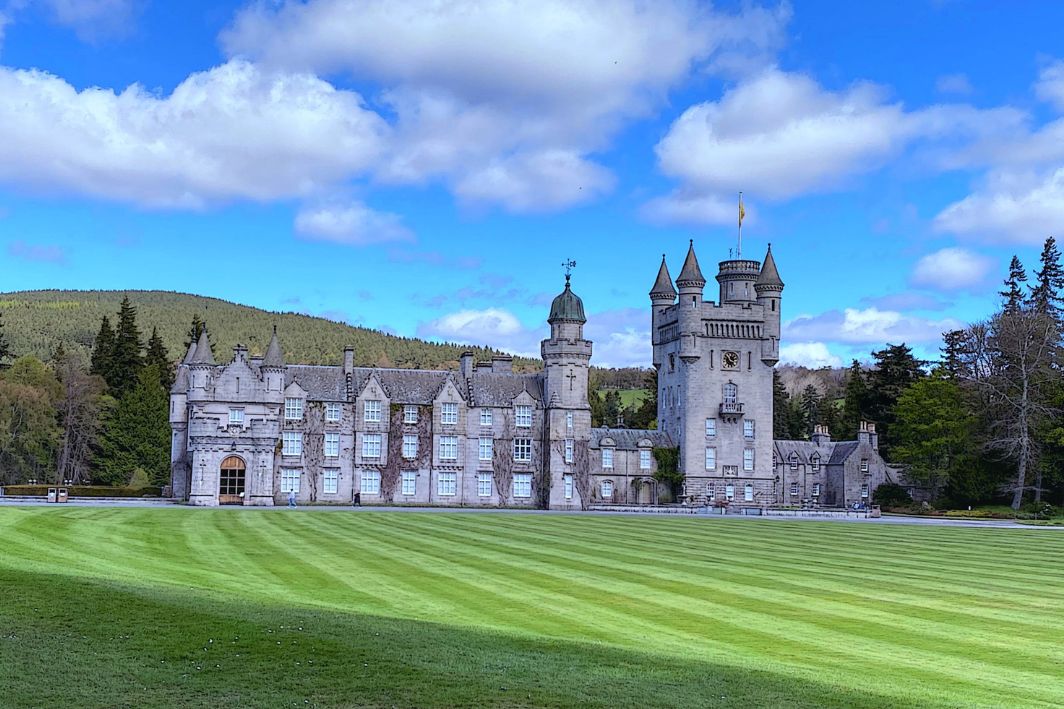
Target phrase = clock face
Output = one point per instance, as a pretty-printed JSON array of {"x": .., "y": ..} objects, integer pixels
[{"x": 730, "y": 360}]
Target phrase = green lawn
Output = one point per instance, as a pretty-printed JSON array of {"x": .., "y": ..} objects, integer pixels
[{"x": 171, "y": 607}]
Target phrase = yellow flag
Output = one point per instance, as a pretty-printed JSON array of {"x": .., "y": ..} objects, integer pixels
[{"x": 742, "y": 212}]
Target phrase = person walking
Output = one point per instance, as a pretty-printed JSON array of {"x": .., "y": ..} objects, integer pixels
[{"x": 292, "y": 499}]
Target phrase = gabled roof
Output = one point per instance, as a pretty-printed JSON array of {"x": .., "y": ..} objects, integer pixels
[
  {"x": 274, "y": 357},
  {"x": 691, "y": 274},
  {"x": 322, "y": 383},
  {"x": 203, "y": 354},
  {"x": 663, "y": 283},
  {"x": 629, "y": 438},
  {"x": 404, "y": 386},
  {"x": 842, "y": 452},
  {"x": 805, "y": 450},
  {"x": 769, "y": 276},
  {"x": 498, "y": 389}
]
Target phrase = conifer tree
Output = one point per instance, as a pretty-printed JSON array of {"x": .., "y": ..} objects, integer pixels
[
  {"x": 1013, "y": 294},
  {"x": 137, "y": 434},
  {"x": 954, "y": 353},
  {"x": 127, "y": 359},
  {"x": 5, "y": 349},
  {"x": 158, "y": 357},
  {"x": 809, "y": 405},
  {"x": 855, "y": 402},
  {"x": 896, "y": 369},
  {"x": 1049, "y": 281},
  {"x": 103, "y": 351},
  {"x": 781, "y": 408}
]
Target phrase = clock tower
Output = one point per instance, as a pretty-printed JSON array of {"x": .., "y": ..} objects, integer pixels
[{"x": 714, "y": 363}]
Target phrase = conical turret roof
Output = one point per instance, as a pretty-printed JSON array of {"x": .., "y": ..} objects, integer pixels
[
  {"x": 691, "y": 273},
  {"x": 567, "y": 307},
  {"x": 181, "y": 381},
  {"x": 663, "y": 285},
  {"x": 274, "y": 357},
  {"x": 769, "y": 276},
  {"x": 203, "y": 354},
  {"x": 190, "y": 354}
]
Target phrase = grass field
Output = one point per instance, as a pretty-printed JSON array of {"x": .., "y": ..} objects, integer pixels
[{"x": 172, "y": 607}]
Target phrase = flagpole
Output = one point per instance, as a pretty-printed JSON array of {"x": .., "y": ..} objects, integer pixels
[{"x": 739, "y": 252}]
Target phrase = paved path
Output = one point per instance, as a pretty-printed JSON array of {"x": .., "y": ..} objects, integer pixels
[{"x": 888, "y": 519}]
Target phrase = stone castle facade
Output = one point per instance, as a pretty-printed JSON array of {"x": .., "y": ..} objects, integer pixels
[{"x": 258, "y": 431}]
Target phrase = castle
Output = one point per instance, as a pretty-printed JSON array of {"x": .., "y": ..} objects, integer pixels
[{"x": 257, "y": 430}]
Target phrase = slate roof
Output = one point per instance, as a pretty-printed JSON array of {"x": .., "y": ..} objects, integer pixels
[
  {"x": 843, "y": 450},
  {"x": 628, "y": 438},
  {"x": 805, "y": 450},
  {"x": 203, "y": 354},
  {"x": 274, "y": 357},
  {"x": 497, "y": 389},
  {"x": 691, "y": 272},
  {"x": 181, "y": 381},
  {"x": 190, "y": 354},
  {"x": 405, "y": 386},
  {"x": 769, "y": 276},
  {"x": 663, "y": 284},
  {"x": 322, "y": 383}
]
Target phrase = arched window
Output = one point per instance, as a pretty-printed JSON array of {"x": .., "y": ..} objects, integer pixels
[
  {"x": 607, "y": 489},
  {"x": 231, "y": 481}
]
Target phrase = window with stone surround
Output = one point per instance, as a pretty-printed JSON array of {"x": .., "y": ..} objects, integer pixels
[
  {"x": 567, "y": 481},
  {"x": 409, "y": 446},
  {"x": 483, "y": 484},
  {"x": 333, "y": 412},
  {"x": 448, "y": 447},
  {"x": 607, "y": 459},
  {"x": 372, "y": 411},
  {"x": 814, "y": 462},
  {"x": 569, "y": 421},
  {"x": 331, "y": 478},
  {"x": 449, "y": 413},
  {"x": 607, "y": 489},
  {"x": 748, "y": 430},
  {"x": 794, "y": 489},
  {"x": 522, "y": 485},
  {"x": 711, "y": 458},
  {"x": 485, "y": 448},
  {"x": 446, "y": 484},
  {"x": 794, "y": 461},
  {"x": 569, "y": 444},
  {"x": 290, "y": 480},
  {"x": 332, "y": 445},
  {"x": 748, "y": 459},
  {"x": 236, "y": 417},
  {"x": 748, "y": 493},
  {"x": 409, "y": 414},
  {"x": 523, "y": 416},
  {"x": 292, "y": 443},
  {"x": 371, "y": 482},
  {"x": 371, "y": 445},
  {"x": 485, "y": 417},
  {"x": 293, "y": 409},
  {"x": 523, "y": 450},
  {"x": 409, "y": 483},
  {"x": 711, "y": 427},
  {"x": 729, "y": 492},
  {"x": 644, "y": 460}
]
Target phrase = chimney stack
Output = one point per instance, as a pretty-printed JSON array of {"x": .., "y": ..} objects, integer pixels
[
  {"x": 821, "y": 435},
  {"x": 465, "y": 365},
  {"x": 502, "y": 364},
  {"x": 863, "y": 435},
  {"x": 873, "y": 437},
  {"x": 349, "y": 360}
]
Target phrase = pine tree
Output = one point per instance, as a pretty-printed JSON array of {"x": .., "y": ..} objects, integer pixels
[
  {"x": 896, "y": 369},
  {"x": 5, "y": 349},
  {"x": 137, "y": 434},
  {"x": 855, "y": 403},
  {"x": 1012, "y": 296},
  {"x": 158, "y": 357},
  {"x": 128, "y": 359},
  {"x": 781, "y": 408},
  {"x": 955, "y": 352},
  {"x": 103, "y": 351},
  {"x": 1045, "y": 295},
  {"x": 809, "y": 405}
]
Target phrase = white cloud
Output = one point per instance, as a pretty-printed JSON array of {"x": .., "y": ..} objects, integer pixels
[
  {"x": 906, "y": 301},
  {"x": 354, "y": 224},
  {"x": 953, "y": 84},
  {"x": 1050, "y": 85},
  {"x": 692, "y": 208},
  {"x": 93, "y": 20},
  {"x": 809, "y": 354},
  {"x": 506, "y": 102},
  {"x": 1017, "y": 207},
  {"x": 951, "y": 269},
  {"x": 784, "y": 135},
  {"x": 232, "y": 132},
  {"x": 866, "y": 326}
]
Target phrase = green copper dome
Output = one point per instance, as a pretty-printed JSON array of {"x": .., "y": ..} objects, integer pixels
[{"x": 567, "y": 307}]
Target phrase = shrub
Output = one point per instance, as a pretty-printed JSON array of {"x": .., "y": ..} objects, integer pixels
[
  {"x": 83, "y": 491},
  {"x": 1039, "y": 510},
  {"x": 891, "y": 495}
]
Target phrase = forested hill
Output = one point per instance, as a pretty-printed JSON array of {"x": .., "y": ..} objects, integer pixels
[{"x": 37, "y": 321}]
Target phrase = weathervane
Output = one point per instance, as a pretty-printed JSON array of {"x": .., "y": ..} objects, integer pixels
[{"x": 569, "y": 265}]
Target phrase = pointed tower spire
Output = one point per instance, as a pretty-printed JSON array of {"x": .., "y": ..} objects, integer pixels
[
  {"x": 274, "y": 357},
  {"x": 663, "y": 285},
  {"x": 769, "y": 278},
  {"x": 190, "y": 354},
  {"x": 691, "y": 273},
  {"x": 203, "y": 354}
]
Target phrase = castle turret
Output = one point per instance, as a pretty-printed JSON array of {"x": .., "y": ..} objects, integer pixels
[
  {"x": 736, "y": 278},
  {"x": 662, "y": 297},
  {"x": 179, "y": 468},
  {"x": 690, "y": 283},
  {"x": 273, "y": 365},
  {"x": 200, "y": 366},
  {"x": 566, "y": 361},
  {"x": 769, "y": 288}
]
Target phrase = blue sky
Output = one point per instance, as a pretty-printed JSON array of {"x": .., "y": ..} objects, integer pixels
[{"x": 427, "y": 171}]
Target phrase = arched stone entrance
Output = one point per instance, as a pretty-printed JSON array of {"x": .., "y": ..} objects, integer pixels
[
  {"x": 643, "y": 490},
  {"x": 231, "y": 481}
]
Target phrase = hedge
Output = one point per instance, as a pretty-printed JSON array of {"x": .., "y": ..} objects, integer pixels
[{"x": 83, "y": 491}]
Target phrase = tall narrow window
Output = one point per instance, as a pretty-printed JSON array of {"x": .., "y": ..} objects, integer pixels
[
  {"x": 332, "y": 445},
  {"x": 607, "y": 489},
  {"x": 816, "y": 490},
  {"x": 864, "y": 491},
  {"x": 731, "y": 394},
  {"x": 409, "y": 446},
  {"x": 748, "y": 429},
  {"x": 711, "y": 458},
  {"x": 409, "y": 482},
  {"x": 567, "y": 481},
  {"x": 748, "y": 493},
  {"x": 569, "y": 421},
  {"x": 729, "y": 492},
  {"x": 448, "y": 447},
  {"x": 794, "y": 461},
  {"x": 607, "y": 459},
  {"x": 449, "y": 413},
  {"x": 330, "y": 479},
  {"x": 483, "y": 484},
  {"x": 814, "y": 462},
  {"x": 569, "y": 443},
  {"x": 748, "y": 459},
  {"x": 644, "y": 460},
  {"x": 711, "y": 427}
]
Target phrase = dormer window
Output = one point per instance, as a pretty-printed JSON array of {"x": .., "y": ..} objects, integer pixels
[
  {"x": 524, "y": 416},
  {"x": 814, "y": 462},
  {"x": 449, "y": 413},
  {"x": 794, "y": 461},
  {"x": 293, "y": 409}
]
